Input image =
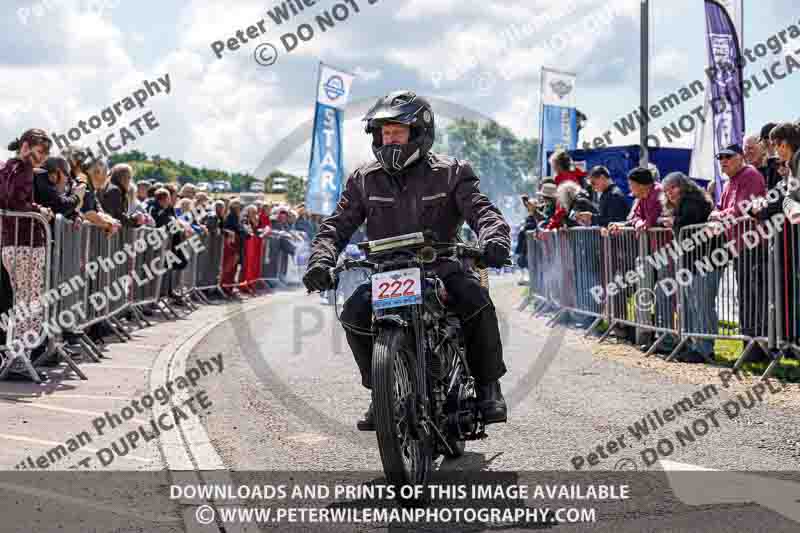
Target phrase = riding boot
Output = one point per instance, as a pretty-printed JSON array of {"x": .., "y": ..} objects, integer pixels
[
  {"x": 491, "y": 402},
  {"x": 367, "y": 422}
]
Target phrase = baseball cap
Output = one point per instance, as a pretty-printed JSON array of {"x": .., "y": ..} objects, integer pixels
[{"x": 733, "y": 149}]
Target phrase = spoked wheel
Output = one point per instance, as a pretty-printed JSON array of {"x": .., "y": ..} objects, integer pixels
[{"x": 406, "y": 460}]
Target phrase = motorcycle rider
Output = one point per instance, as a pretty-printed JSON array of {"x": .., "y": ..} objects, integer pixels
[{"x": 409, "y": 189}]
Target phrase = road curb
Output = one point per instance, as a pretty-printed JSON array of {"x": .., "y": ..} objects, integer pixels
[{"x": 188, "y": 454}]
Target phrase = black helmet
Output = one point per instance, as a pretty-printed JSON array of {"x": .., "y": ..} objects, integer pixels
[{"x": 401, "y": 107}]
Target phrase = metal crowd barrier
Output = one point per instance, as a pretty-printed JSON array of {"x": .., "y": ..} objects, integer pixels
[
  {"x": 209, "y": 262},
  {"x": 31, "y": 243},
  {"x": 786, "y": 271},
  {"x": 544, "y": 279},
  {"x": 740, "y": 284},
  {"x": 579, "y": 254},
  {"x": 69, "y": 296}
]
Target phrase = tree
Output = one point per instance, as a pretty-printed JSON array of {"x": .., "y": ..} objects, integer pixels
[{"x": 498, "y": 157}]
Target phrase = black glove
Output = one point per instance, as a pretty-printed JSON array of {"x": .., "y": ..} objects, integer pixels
[
  {"x": 318, "y": 278},
  {"x": 495, "y": 255}
]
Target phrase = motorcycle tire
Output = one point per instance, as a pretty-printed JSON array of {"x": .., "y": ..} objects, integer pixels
[{"x": 406, "y": 461}]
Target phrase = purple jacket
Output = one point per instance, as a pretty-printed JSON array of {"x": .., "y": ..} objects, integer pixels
[
  {"x": 16, "y": 194},
  {"x": 648, "y": 209}
]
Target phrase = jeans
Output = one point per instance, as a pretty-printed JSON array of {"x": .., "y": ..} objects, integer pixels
[{"x": 700, "y": 315}]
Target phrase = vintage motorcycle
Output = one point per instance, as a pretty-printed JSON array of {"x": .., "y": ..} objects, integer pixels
[{"x": 423, "y": 393}]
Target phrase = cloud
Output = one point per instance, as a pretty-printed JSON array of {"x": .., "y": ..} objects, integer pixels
[{"x": 367, "y": 75}]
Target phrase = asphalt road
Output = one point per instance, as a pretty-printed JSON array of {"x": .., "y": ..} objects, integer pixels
[{"x": 289, "y": 398}]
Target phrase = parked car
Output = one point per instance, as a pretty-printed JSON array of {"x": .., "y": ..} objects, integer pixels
[
  {"x": 204, "y": 186},
  {"x": 257, "y": 186}
]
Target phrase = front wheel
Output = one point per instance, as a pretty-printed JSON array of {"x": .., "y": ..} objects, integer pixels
[{"x": 406, "y": 460}]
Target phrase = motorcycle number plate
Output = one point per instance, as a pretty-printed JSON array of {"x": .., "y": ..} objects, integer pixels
[{"x": 396, "y": 288}]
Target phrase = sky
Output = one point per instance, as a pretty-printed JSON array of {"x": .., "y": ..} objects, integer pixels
[{"x": 66, "y": 60}]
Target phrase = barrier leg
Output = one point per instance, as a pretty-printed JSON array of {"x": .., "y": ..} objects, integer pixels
[
  {"x": 28, "y": 367},
  {"x": 135, "y": 317},
  {"x": 555, "y": 318},
  {"x": 64, "y": 356},
  {"x": 677, "y": 349},
  {"x": 745, "y": 353},
  {"x": 169, "y": 308},
  {"x": 771, "y": 368},
  {"x": 116, "y": 331},
  {"x": 653, "y": 347},
  {"x": 90, "y": 353},
  {"x": 202, "y": 297},
  {"x": 121, "y": 327},
  {"x": 140, "y": 316},
  {"x": 605, "y": 335},
  {"x": 90, "y": 347},
  {"x": 594, "y": 325}
]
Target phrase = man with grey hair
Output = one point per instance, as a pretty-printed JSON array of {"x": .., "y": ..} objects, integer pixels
[{"x": 754, "y": 153}]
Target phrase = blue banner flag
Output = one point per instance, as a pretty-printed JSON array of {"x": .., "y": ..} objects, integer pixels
[
  {"x": 558, "y": 127},
  {"x": 326, "y": 167}
]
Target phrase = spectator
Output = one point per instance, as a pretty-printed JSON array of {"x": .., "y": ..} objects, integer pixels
[
  {"x": 280, "y": 220},
  {"x": 251, "y": 270},
  {"x": 786, "y": 137},
  {"x": 173, "y": 194},
  {"x": 162, "y": 214},
  {"x": 263, "y": 217},
  {"x": 561, "y": 163},
  {"x": 645, "y": 214},
  {"x": 303, "y": 223},
  {"x": 530, "y": 224},
  {"x": 201, "y": 202},
  {"x": 184, "y": 211},
  {"x": 745, "y": 184},
  {"x": 114, "y": 196},
  {"x": 23, "y": 250},
  {"x": 613, "y": 207},
  {"x": 92, "y": 209},
  {"x": 769, "y": 165},
  {"x": 545, "y": 206},
  {"x": 689, "y": 205},
  {"x": 572, "y": 199},
  {"x": 143, "y": 191},
  {"x": 49, "y": 181},
  {"x": 216, "y": 220},
  {"x": 754, "y": 151},
  {"x": 647, "y": 210},
  {"x": 231, "y": 252},
  {"x": 188, "y": 191}
]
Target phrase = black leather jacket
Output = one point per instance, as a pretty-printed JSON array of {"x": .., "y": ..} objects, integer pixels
[{"x": 438, "y": 193}]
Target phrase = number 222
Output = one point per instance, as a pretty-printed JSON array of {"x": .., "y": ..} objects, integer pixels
[{"x": 409, "y": 283}]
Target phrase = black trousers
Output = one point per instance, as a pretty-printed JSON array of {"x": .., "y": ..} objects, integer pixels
[{"x": 466, "y": 298}]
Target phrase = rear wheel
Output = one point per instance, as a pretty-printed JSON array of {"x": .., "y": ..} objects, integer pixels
[{"x": 406, "y": 460}]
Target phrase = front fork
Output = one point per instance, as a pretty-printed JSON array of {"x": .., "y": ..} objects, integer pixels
[{"x": 423, "y": 423}]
